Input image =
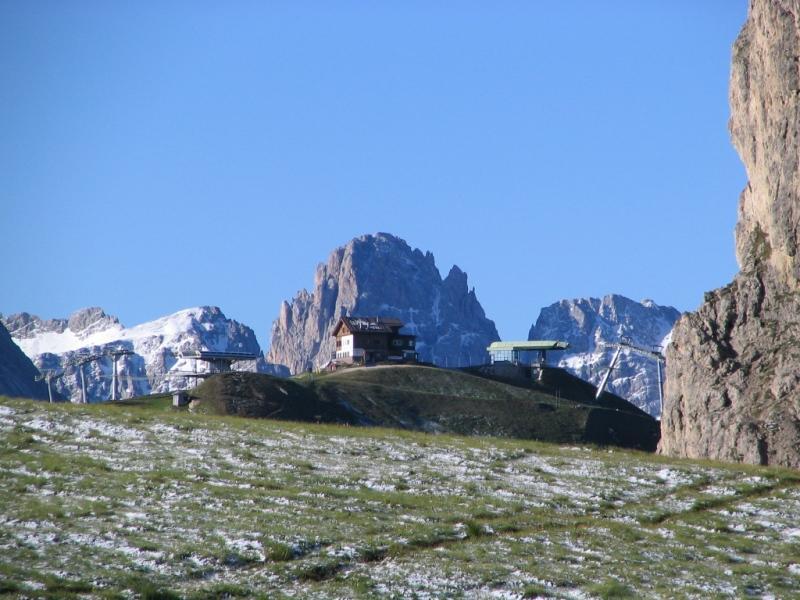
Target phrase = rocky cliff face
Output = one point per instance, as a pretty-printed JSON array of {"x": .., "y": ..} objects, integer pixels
[
  {"x": 60, "y": 344},
  {"x": 380, "y": 275},
  {"x": 17, "y": 372},
  {"x": 733, "y": 368},
  {"x": 589, "y": 324}
]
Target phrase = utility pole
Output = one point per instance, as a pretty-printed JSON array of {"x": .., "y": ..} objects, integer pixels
[
  {"x": 660, "y": 387},
  {"x": 81, "y": 364},
  {"x": 114, "y": 355},
  {"x": 654, "y": 354},
  {"x": 48, "y": 376},
  {"x": 83, "y": 384},
  {"x": 603, "y": 383}
]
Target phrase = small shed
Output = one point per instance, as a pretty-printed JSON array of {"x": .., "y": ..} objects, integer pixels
[{"x": 180, "y": 398}]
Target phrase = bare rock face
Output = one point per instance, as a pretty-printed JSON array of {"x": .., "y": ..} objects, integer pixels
[
  {"x": 380, "y": 275},
  {"x": 733, "y": 368},
  {"x": 765, "y": 108}
]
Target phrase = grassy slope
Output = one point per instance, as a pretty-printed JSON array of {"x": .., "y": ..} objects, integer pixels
[
  {"x": 113, "y": 500},
  {"x": 426, "y": 398}
]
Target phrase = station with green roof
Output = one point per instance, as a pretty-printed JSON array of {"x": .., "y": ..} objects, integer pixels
[{"x": 510, "y": 351}]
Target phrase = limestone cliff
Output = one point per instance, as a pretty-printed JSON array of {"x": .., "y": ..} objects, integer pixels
[
  {"x": 380, "y": 275},
  {"x": 733, "y": 368}
]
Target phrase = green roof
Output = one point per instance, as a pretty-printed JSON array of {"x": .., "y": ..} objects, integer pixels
[{"x": 528, "y": 346}]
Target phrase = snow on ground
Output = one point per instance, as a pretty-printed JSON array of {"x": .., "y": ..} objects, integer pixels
[{"x": 189, "y": 503}]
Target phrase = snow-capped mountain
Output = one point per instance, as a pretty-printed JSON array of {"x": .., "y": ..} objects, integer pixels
[
  {"x": 588, "y": 324},
  {"x": 60, "y": 344}
]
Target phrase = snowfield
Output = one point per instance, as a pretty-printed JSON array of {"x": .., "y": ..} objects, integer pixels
[
  {"x": 144, "y": 501},
  {"x": 155, "y": 365}
]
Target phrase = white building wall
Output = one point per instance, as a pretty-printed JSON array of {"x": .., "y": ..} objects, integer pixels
[{"x": 346, "y": 351}]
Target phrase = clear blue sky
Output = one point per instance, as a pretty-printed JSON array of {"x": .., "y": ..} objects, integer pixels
[{"x": 161, "y": 155}]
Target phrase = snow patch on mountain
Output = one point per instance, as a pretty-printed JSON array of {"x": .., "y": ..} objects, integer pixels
[
  {"x": 153, "y": 366},
  {"x": 591, "y": 324}
]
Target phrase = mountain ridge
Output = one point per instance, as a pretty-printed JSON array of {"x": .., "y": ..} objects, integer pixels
[{"x": 17, "y": 372}]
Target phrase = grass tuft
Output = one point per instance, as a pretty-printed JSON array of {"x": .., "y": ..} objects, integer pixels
[
  {"x": 611, "y": 589},
  {"x": 278, "y": 551}
]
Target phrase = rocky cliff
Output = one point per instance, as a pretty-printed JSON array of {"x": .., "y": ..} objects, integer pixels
[
  {"x": 733, "y": 368},
  {"x": 17, "y": 372},
  {"x": 590, "y": 324},
  {"x": 381, "y": 275},
  {"x": 60, "y": 344}
]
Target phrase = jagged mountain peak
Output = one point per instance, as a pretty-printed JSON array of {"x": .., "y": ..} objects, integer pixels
[
  {"x": 92, "y": 318},
  {"x": 590, "y": 325},
  {"x": 456, "y": 279},
  {"x": 86, "y": 322},
  {"x": 382, "y": 275}
]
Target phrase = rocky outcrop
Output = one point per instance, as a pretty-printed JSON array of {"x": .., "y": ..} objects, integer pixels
[
  {"x": 60, "y": 345},
  {"x": 733, "y": 368},
  {"x": 591, "y": 324},
  {"x": 17, "y": 372},
  {"x": 381, "y": 275}
]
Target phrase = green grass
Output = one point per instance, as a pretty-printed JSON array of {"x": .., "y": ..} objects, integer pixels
[
  {"x": 134, "y": 501},
  {"x": 610, "y": 589},
  {"x": 427, "y": 398}
]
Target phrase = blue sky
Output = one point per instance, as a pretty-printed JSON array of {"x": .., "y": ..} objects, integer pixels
[{"x": 161, "y": 155}]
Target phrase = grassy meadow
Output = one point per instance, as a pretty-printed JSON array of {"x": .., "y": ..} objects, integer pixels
[{"x": 144, "y": 501}]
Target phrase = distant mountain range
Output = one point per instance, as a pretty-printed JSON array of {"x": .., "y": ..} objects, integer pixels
[
  {"x": 372, "y": 275},
  {"x": 60, "y": 344}
]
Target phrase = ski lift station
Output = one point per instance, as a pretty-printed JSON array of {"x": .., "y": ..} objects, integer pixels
[
  {"x": 216, "y": 362},
  {"x": 512, "y": 352}
]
